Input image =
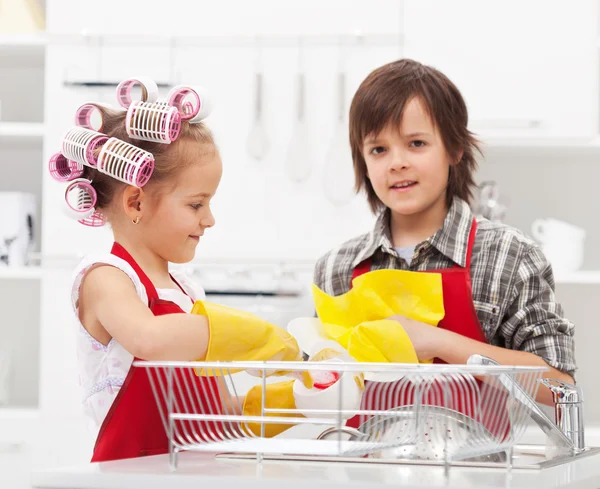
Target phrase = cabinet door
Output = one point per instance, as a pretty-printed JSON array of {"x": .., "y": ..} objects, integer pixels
[
  {"x": 526, "y": 69},
  {"x": 15, "y": 465}
]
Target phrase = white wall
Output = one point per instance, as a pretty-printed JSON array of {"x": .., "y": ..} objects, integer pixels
[
  {"x": 258, "y": 210},
  {"x": 260, "y": 213}
]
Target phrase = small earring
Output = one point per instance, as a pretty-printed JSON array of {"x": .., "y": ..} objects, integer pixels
[{"x": 136, "y": 220}]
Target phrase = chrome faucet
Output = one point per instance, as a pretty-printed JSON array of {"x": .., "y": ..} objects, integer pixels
[
  {"x": 568, "y": 410},
  {"x": 567, "y": 432}
]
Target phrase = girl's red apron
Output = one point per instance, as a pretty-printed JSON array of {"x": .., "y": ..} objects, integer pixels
[
  {"x": 133, "y": 426},
  {"x": 460, "y": 317}
]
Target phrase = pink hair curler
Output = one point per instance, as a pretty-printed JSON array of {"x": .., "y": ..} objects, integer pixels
[
  {"x": 83, "y": 117},
  {"x": 63, "y": 169},
  {"x": 80, "y": 144},
  {"x": 96, "y": 220},
  {"x": 149, "y": 90},
  {"x": 125, "y": 162},
  {"x": 81, "y": 198},
  {"x": 198, "y": 108},
  {"x": 157, "y": 122}
]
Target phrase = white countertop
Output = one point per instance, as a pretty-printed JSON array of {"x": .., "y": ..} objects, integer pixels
[{"x": 203, "y": 470}]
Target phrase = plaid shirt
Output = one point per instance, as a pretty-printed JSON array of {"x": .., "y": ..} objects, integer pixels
[{"x": 512, "y": 281}]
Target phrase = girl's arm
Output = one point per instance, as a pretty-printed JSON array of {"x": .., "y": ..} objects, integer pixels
[{"x": 108, "y": 295}]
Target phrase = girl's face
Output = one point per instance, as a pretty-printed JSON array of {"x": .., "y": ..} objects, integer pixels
[
  {"x": 176, "y": 218},
  {"x": 409, "y": 166}
]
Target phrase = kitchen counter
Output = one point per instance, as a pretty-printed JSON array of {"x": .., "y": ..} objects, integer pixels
[{"x": 197, "y": 470}]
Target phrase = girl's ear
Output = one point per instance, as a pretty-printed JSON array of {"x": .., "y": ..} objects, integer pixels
[{"x": 133, "y": 202}]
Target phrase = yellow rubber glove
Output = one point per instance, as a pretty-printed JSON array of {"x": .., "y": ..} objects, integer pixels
[
  {"x": 237, "y": 335},
  {"x": 280, "y": 395},
  {"x": 357, "y": 320}
]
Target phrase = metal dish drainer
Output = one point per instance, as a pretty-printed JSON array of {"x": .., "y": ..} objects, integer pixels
[{"x": 427, "y": 413}]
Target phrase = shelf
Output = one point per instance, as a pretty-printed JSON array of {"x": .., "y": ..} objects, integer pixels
[
  {"x": 18, "y": 413},
  {"x": 20, "y": 273},
  {"x": 22, "y": 129},
  {"x": 580, "y": 277},
  {"x": 541, "y": 143},
  {"x": 18, "y": 425},
  {"x": 23, "y": 40}
]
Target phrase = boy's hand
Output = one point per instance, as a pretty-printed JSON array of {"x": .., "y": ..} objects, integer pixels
[{"x": 426, "y": 339}]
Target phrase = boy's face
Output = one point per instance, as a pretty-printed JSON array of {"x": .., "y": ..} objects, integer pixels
[{"x": 409, "y": 167}]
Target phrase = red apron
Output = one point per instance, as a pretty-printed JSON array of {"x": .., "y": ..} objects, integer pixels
[
  {"x": 133, "y": 426},
  {"x": 460, "y": 317}
]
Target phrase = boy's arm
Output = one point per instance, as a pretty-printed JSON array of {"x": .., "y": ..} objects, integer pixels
[
  {"x": 535, "y": 321},
  {"x": 534, "y": 329}
]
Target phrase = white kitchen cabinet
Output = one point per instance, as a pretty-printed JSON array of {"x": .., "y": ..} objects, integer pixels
[
  {"x": 18, "y": 429},
  {"x": 22, "y": 61},
  {"x": 528, "y": 70}
]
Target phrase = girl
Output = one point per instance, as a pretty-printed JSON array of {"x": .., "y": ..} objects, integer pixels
[
  {"x": 150, "y": 171},
  {"x": 414, "y": 157}
]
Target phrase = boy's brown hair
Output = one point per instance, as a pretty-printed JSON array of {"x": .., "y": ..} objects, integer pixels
[{"x": 380, "y": 100}]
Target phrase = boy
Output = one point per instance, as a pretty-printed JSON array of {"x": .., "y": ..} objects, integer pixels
[{"x": 414, "y": 158}]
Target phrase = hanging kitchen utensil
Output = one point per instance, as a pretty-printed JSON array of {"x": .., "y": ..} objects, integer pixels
[
  {"x": 489, "y": 203},
  {"x": 257, "y": 144},
  {"x": 5, "y": 373},
  {"x": 298, "y": 162},
  {"x": 338, "y": 176}
]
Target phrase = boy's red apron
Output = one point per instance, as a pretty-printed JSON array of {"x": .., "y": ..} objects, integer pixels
[
  {"x": 133, "y": 426},
  {"x": 460, "y": 317}
]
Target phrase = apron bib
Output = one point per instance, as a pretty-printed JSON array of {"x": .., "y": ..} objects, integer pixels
[
  {"x": 133, "y": 426},
  {"x": 460, "y": 317}
]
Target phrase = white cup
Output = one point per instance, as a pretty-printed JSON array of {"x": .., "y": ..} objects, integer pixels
[
  {"x": 552, "y": 230},
  {"x": 562, "y": 243}
]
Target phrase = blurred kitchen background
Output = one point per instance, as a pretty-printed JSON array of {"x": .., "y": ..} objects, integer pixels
[{"x": 282, "y": 74}]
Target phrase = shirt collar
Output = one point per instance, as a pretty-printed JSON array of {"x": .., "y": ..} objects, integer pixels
[{"x": 452, "y": 239}]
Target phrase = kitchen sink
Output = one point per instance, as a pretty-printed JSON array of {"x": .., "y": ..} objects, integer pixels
[{"x": 533, "y": 457}]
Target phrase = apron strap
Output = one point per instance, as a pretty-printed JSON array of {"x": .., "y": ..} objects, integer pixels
[
  {"x": 121, "y": 252},
  {"x": 362, "y": 268},
  {"x": 470, "y": 244}
]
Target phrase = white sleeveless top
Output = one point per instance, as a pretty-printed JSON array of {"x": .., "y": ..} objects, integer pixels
[{"x": 102, "y": 369}]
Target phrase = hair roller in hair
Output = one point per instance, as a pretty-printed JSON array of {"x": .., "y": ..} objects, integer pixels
[
  {"x": 80, "y": 144},
  {"x": 83, "y": 117},
  {"x": 148, "y": 86},
  {"x": 80, "y": 198},
  {"x": 153, "y": 121},
  {"x": 125, "y": 162},
  {"x": 63, "y": 169},
  {"x": 193, "y": 102}
]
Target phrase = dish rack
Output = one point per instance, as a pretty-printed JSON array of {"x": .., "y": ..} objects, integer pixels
[{"x": 428, "y": 413}]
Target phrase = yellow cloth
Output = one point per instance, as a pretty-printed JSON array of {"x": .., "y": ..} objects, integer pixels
[
  {"x": 357, "y": 320},
  {"x": 241, "y": 336}
]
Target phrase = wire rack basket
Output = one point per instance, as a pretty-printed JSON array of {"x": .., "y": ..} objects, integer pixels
[{"x": 426, "y": 413}]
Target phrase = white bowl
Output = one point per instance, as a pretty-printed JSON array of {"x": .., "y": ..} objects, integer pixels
[{"x": 347, "y": 386}]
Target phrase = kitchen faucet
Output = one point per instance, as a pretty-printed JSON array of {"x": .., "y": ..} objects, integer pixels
[{"x": 567, "y": 431}]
